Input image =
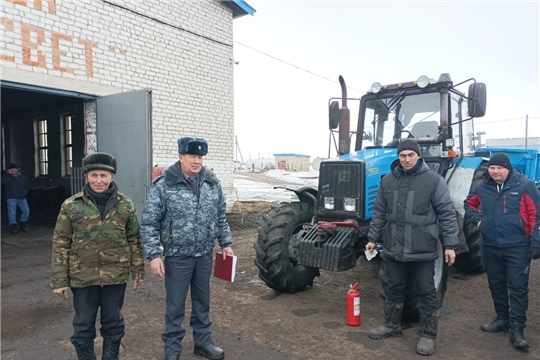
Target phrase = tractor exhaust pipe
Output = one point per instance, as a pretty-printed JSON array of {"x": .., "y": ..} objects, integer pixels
[{"x": 344, "y": 121}]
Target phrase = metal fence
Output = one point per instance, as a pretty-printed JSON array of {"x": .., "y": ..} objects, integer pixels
[{"x": 77, "y": 180}]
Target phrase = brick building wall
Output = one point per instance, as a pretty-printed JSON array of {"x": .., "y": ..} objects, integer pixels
[{"x": 182, "y": 50}]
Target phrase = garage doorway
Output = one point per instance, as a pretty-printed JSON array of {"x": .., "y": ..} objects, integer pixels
[{"x": 47, "y": 132}]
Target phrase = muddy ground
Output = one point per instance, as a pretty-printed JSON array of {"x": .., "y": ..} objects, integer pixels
[{"x": 250, "y": 320}]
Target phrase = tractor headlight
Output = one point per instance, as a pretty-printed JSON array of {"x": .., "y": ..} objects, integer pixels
[
  {"x": 329, "y": 203},
  {"x": 376, "y": 87},
  {"x": 422, "y": 81},
  {"x": 349, "y": 204}
]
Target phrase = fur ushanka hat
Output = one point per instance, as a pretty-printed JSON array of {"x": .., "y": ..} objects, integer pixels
[
  {"x": 99, "y": 161},
  {"x": 192, "y": 145}
]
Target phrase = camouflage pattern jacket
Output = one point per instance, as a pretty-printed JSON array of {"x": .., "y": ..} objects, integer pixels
[
  {"x": 186, "y": 225},
  {"x": 90, "y": 251}
]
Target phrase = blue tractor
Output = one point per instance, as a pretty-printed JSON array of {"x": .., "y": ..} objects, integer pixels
[{"x": 327, "y": 228}]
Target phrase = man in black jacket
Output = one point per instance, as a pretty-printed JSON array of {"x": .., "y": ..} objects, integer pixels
[
  {"x": 412, "y": 204},
  {"x": 506, "y": 208},
  {"x": 16, "y": 190}
]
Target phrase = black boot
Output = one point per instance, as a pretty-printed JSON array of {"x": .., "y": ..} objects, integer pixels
[
  {"x": 498, "y": 324},
  {"x": 392, "y": 322},
  {"x": 111, "y": 349},
  {"x": 23, "y": 227},
  {"x": 517, "y": 338},
  {"x": 14, "y": 228},
  {"x": 211, "y": 352},
  {"x": 428, "y": 334},
  {"x": 86, "y": 351}
]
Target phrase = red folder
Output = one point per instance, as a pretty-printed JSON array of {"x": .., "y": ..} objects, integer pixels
[{"x": 225, "y": 269}]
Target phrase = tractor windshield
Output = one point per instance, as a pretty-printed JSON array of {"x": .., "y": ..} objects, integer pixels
[{"x": 403, "y": 116}]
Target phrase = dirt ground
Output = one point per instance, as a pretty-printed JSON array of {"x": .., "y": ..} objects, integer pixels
[{"x": 250, "y": 321}]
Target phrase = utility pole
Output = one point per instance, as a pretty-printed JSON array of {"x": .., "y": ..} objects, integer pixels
[
  {"x": 526, "y": 129},
  {"x": 238, "y": 150}
]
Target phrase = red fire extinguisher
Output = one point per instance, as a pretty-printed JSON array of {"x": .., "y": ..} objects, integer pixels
[{"x": 353, "y": 306}]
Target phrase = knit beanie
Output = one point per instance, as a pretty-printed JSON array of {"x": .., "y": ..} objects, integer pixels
[
  {"x": 500, "y": 159},
  {"x": 408, "y": 144},
  {"x": 99, "y": 161},
  {"x": 12, "y": 166}
]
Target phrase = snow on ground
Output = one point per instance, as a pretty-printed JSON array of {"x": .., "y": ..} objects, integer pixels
[
  {"x": 307, "y": 178},
  {"x": 251, "y": 190}
]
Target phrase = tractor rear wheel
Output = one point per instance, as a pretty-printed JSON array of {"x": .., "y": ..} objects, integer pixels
[
  {"x": 473, "y": 260},
  {"x": 277, "y": 248}
]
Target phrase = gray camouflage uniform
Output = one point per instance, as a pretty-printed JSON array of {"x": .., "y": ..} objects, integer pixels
[
  {"x": 184, "y": 224},
  {"x": 185, "y": 215}
]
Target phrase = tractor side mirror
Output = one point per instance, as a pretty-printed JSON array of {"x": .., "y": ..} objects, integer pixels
[
  {"x": 476, "y": 105},
  {"x": 333, "y": 114}
]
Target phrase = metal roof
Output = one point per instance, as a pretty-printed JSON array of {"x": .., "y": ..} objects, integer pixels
[
  {"x": 297, "y": 155},
  {"x": 239, "y": 8}
]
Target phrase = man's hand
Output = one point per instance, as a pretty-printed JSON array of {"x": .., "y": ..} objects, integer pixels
[
  {"x": 157, "y": 267},
  {"x": 137, "y": 282},
  {"x": 62, "y": 292},
  {"x": 371, "y": 246},
  {"x": 534, "y": 252},
  {"x": 478, "y": 224},
  {"x": 227, "y": 251},
  {"x": 449, "y": 256}
]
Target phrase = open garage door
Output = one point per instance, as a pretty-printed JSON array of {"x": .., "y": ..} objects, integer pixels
[{"x": 124, "y": 130}]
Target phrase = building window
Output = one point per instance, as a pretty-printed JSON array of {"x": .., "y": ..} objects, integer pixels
[
  {"x": 68, "y": 145},
  {"x": 43, "y": 148}
]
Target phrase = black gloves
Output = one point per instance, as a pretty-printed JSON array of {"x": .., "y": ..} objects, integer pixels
[{"x": 534, "y": 252}]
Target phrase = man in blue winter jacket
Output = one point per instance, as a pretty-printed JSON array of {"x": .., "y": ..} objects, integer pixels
[
  {"x": 184, "y": 213},
  {"x": 506, "y": 208}
]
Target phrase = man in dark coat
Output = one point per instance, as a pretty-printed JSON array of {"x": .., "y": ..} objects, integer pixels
[
  {"x": 506, "y": 208},
  {"x": 412, "y": 204},
  {"x": 16, "y": 190}
]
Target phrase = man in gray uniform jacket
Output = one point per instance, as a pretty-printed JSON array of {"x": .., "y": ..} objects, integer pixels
[
  {"x": 185, "y": 213},
  {"x": 412, "y": 203}
]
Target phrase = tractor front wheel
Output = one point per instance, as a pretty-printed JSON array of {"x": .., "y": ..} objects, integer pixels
[{"x": 277, "y": 248}]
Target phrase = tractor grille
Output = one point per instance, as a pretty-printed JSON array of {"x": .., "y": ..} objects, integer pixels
[{"x": 342, "y": 179}]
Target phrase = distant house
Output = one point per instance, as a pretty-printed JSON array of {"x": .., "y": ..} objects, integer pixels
[{"x": 292, "y": 162}]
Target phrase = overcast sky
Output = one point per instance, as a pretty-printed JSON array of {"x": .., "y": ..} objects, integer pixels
[{"x": 282, "y": 109}]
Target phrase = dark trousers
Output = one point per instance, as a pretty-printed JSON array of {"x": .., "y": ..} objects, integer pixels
[
  {"x": 181, "y": 273},
  {"x": 423, "y": 273},
  {"x": 86, "y": 301},
  {"x": 508, "y": 277}
]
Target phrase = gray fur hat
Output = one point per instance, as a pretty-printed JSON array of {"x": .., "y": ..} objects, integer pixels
[
  {"x": 99, "y": 161},
  {"x": 192, "y": 145}
]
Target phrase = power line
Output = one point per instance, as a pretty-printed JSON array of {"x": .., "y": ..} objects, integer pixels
[
  {"x": 166, "y": 23},
  {"x": 504, "y": 120},
  {"x": 295, "y": 66}
]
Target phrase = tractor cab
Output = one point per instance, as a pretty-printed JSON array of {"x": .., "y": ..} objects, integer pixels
[{"x": 433, "y": 112}]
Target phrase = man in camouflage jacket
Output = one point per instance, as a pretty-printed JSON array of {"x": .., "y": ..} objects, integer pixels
[
  {"x": 96, "y": 247},
  {"x": 184, "y": 213}
]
